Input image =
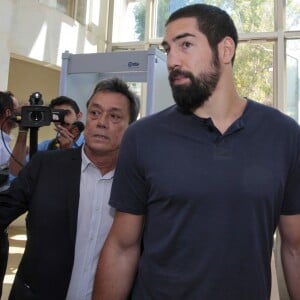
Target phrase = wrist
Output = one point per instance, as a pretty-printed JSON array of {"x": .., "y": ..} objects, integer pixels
[{"x": 23, "y": 130}]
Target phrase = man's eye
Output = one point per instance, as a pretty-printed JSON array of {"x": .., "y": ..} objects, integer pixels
[
  {"x": 94, "y": 113},
  {"x": 186, "y": 44},
  {"x": 115, "y": 117}
]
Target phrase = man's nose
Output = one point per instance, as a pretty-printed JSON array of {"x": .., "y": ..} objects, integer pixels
[
  {"x": 173, "y": 59},
  {"x": 103, "y": 120}
]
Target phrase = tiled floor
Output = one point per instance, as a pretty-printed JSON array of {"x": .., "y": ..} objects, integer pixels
[{"x": 17, "y": 239}]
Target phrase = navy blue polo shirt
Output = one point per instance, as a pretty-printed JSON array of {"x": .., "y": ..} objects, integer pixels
[{"x": 211, "y": 201}]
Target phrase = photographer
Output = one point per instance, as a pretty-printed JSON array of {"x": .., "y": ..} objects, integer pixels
[
  {"x": 64, "y": 138},
  {"x": 74, "y": 133},
  {"x": 8, "y": 104}
]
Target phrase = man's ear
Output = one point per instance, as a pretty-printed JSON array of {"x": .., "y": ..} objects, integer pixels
[
  {"x": 8, "y": 113},
  {"x": 226, "y": 50},
  {"x": 79, "y": 116}
]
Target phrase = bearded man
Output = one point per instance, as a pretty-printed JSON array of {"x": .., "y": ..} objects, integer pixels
[{"x": 205, "y": 183}]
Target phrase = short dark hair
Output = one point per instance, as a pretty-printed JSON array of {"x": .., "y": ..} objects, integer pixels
[
  {"x": 64, "y": 100},
  {"x": 213, "y": 22},
  {"x": 117, "y": 85},
  {"x": 6, "y": 102}
]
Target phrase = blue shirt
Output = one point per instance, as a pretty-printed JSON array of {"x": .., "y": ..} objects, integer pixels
[
  {"x": 43, "y": 146},
  {"x": 212, "y": 201}
]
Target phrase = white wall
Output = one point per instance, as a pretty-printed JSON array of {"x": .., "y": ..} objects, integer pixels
[
  {"x": 32, "y": 30},
  {"x": 6, "y": 11},
  {"x": 32, "y": 33}
]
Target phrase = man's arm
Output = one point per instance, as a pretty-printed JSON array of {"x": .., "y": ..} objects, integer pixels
[
  {"x": 119, "y": 258},
  {"x": 289, "y": 227},
  {"x": 18, "y": 157}
]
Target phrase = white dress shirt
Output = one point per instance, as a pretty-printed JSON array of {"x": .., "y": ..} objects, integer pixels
[
  {"x": 5, "y": 140},
  {"x": 4, "y": 154},
  {"x": 94, "y": 220}
]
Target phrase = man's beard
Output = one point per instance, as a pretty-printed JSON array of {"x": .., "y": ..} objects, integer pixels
[
  {"x": 191, "y": 96},
  {"x": 11, "y": 124}
]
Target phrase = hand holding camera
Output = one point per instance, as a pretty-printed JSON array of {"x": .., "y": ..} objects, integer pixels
[
  {"x": 64, "y": 136},
  {"x": 36, "y": 115}
]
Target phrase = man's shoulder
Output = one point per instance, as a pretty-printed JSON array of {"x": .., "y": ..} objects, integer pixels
[
  {"x": 62, "y": 154},
  {"x": 157, "y": 118},
  {"x": 270, "y": 114}
]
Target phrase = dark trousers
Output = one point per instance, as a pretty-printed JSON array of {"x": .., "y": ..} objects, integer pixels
[{"x": 4, "y": 248}]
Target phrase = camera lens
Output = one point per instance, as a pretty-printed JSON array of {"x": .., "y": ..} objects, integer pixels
[{"x": 36, "y": 116}]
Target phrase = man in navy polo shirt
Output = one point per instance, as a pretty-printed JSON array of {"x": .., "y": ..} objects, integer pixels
[{"x": 204, "y": 183}]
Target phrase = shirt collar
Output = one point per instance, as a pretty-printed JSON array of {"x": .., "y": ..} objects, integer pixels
[
  {"x": 6, "y": 137},
  {"x": 80, "y": 140},
  {"x": 86, "y": 163}
]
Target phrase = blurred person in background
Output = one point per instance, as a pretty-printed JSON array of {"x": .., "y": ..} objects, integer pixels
[
  {"x": 8, "y": 105},
  {"x": 63, "y": 139}
]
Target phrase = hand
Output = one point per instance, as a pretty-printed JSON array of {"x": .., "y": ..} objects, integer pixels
[
  {"x": 64, "y": 137},
  {"x": 18, "y": 111}
]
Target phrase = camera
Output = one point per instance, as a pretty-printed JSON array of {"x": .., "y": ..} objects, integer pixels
[{"x": 37, "y": 115}]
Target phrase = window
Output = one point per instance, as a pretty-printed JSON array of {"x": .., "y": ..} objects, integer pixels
[
  {"x": 257, "y": 17},
  {"x": 129, "y": 20},
  {"x": 253, "y": 71},
  {"x": 292, "y": 78},
  {"x": 65, "y": 6},
  {"x": 77, "y": 9},
  {"x": 81, "y": 12},
  {"x": 267, "y": 65},
  {"x": 292, "y": 15}
]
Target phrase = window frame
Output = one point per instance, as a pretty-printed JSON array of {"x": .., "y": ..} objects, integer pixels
[{"x": 279, "y": 36}]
